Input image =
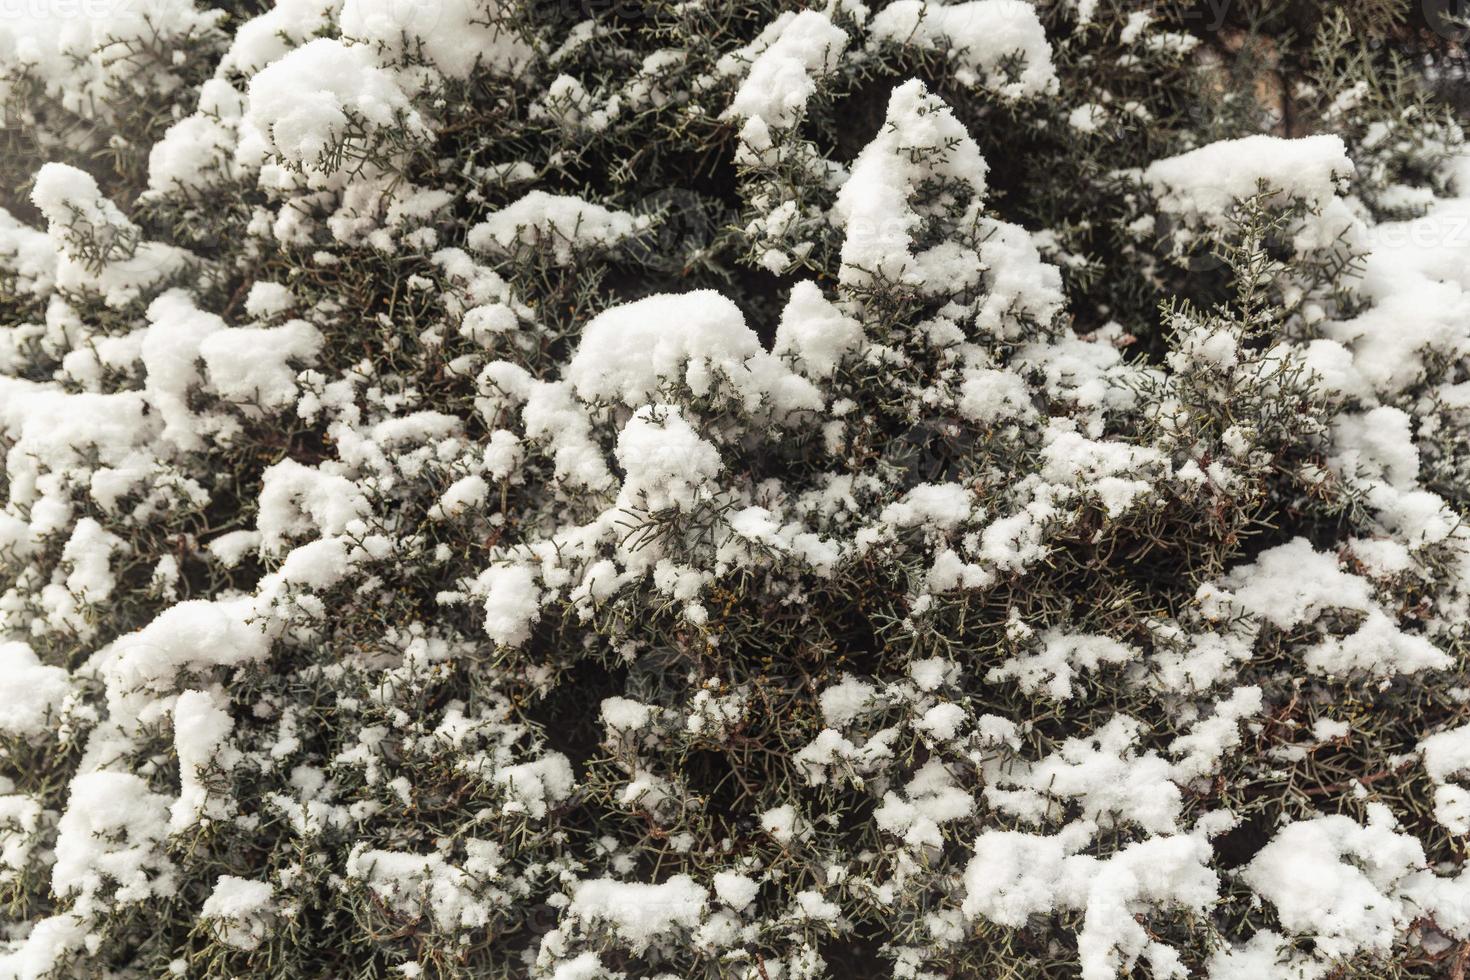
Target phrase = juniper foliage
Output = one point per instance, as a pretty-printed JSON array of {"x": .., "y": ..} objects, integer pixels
[{"x": 759, "y": 490}]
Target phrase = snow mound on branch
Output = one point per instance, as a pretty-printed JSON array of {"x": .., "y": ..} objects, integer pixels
[
  {"x": 641, "y": 913},
  {"x": 310, "y": 106},
  {"x": 556, "y": 220},
  {"x": 979, "y": 36},
  {"x": 631, "y": 353},
  {"x": 784, "y": 62},
  {"x": 1207, "y": 181}
]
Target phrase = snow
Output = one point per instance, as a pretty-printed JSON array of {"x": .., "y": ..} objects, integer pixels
[
  {"x": 231, "y": 547},
  {"x": 317, "y": 565},
  {"x": 815, "y": 332},
  {"x": 1446, "y": 756},
  {"x": 1117, "y": 473},
  {"x": 503, "y": 455},
  {"x": 939, "y": 505},
  {"x": 1087, "y": 118},
  {"x": 1378, "y": 647},
  {"x": 512, "y": 603},
  {"x": 1447, "y": 753},
  {"x": 298, "y": 500},
  {"x": 47, "y": 948},
  {"x": 202, "y": 722},
  {"x": 141, "y": 668},
  {"x": 1268, "y": 954},
  {"x": 1209, "y": 740},
  {"x": 1105, "y": 776},
  {"x": 641, "y": 913},
  {"x": 253, "y": 365},
  {"x": 930, "y": 799},
  {"x": 67, "y": 47},
  {"x": 27, "y": 254},
  {"x": 665, "y": 463},
  {"x": 625, "y": 714},
  {"x": 1452, "y": 808},
  {"x": 303, "y": 106},
  {"x": 990, "y": 397},
  {"x": 22, "y": 822},
  {"x": 574, "y": 109},
  {"x": 942, "y": 722},
  {"x": 266, "y": 37},
  {"x": 112, "y": 832},
  {"x": 169, "y": 352},
  {"x": 734, "y": 889},
  {"x": 415, "y": 884},
  {"x": 1293, "y": 583},
  {"x": 31, "y": 693},
  {"x": 562, "y": 224},
  {"x": 69, "y": 199},
  {"x": 782, "y": 823},
  {"x": 63, "y": 430},
  {"x": 1013, "y": 876},
  {"x": 268, "y": 299},
  {"x": 873, "y": 206},
  {"x": 238, "y": 908},
  {"x": 195, "y": 152},
  {"x": 98, "y": 249},
  {"x": 460, "y": 496},
  {"x": 456, "y": 36},
  {"x": 846, "y": 700},
  {"x": 534, "y": 787},
  {"x": 1415, "y": 275},
  {"x": 1377, "y": 444},
  {"x": 482, "y": 323},
  {"x": 978, "y": 36},
  {"x": 1207, "y": 181},
  {"x": 785, "y": 61},
  {"x": 1053, "y": 667},
  {"x": 629, "y": 353},
  {"x": 433, "y": 508},
  {"x": 1334, "y": 880}
]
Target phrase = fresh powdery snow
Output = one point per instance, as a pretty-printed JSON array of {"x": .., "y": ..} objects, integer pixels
[
  {"x": 639, "y": 913},
  {"x": 781, "y": 64},
  {"x": 700, "y": 339},
  {"x": 776, "y": 491},
  {"x": 1208, "y": 180},
  {"x": 977, "y": 35}
]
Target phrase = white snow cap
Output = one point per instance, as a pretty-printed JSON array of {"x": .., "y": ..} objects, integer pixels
[
  {"x": 1208, "y": 180},
  {"x": 308, "y": 102},
  {"x": 454, "y": 35},
  {"x": 920, "y": 140},
  {"x": 31, "y": 693},
  {"x": 641, "y": 913},
  {"x": 556, "y": 220},
  {"x": 815, "y": 332},
  {"x": 630, "y": 352},
  {"x": 978, "y": 36},
  {"x": 785, "y": 60}
]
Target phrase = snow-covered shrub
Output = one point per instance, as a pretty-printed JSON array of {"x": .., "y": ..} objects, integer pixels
[{"x": 764, "y": 490}]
